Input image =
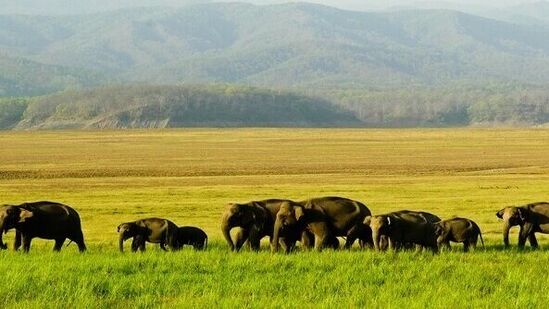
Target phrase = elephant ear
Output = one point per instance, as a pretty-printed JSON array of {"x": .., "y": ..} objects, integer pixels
[
  {"x": 523, "y": 214},
  {"x": 299, "y": 212},
  {"x": 438, "y": 229},
  {"x": 499, "y": 214},
  {"x": 25, "y": 215},
  {"x": 259, "y": 216}
]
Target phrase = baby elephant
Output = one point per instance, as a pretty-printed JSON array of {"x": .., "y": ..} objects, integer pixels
[
  {"x": 152, "y": 230},
  {"x": 458, "y": 230},
  {"x": 193, "y": 236}
]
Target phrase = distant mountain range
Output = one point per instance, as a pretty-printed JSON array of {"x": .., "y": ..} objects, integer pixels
[{"x": 290, "y": 46}]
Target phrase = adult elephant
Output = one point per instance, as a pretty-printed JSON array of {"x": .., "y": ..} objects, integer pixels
[
  {"x": 326, "y": 217},
  {"x": 403, "y": 228},
  {"x": 255, "y": 220},
  {"x": 47, "y": 220},
  {"x": 153, "y": 230},
  {"x": 531, "y": 218}
]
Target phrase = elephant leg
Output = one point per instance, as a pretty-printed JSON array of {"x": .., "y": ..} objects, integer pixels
[
  {"x": 473, "y": 243},
  {"x": 135, "y": 243},
  {"x": 383, "y": 242},
  {"x": 26, "y": 243},
  {"x": 392, "y": 244},
  {"x": 138, "y": 243},
  {"x": 334, "y": 243},
  {"x": 241, "y": 237},
  {"x": 307, "y": 241},
  {"x": 58, "y": 244},
  {"x": 288, "y": 244},
  {"x": 352, "y": 235},
  {"x": 17, "y": 242},
  {"x": 533, "y": 241},
  {"x": 466, "y": 246},
  {"x": 522, "y": 238},
  {"x": 254, "y": 243},
  {"x": 320, "y": 242},
  {"x": 78, "y": 239},
  {"x": 254, "y": 237}
]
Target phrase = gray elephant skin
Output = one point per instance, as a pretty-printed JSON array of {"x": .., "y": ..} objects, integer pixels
[
  {"x": 255, "y": 220},
  {"x": 47, "y": 220},
  {"x": 192, "y": 236},
  {"x": 459, "y": 230},
  {"x": 325, "y": 217},
  {"x": 153, "y": 230},
  {"x": 404, "y": 228},
  {"x": 532, "y": 218}
]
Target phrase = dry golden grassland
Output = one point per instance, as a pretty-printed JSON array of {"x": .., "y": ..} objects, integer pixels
[{"x": 188, "y": 175}]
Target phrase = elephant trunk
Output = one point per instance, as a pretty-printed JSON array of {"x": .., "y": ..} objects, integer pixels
[
  {"x": 377, "y": 240},
  {"x": 121, "y": 242},
  {"x": 276, "y": 236},
  {"x": 2, "y": 231},
  {"x": 506, "y": 228},
  {"x": 226, "y": 229}
]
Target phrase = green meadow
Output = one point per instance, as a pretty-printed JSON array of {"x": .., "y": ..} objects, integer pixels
[{"x": 189, "y": 175}]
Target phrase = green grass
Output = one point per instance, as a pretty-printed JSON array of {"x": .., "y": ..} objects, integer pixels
[
  {"x": 106, "y": 278},
  {"x": 189, "y": 175}
]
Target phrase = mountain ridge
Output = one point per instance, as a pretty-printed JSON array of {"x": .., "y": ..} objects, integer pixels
[{"x": 286, "y": 45}]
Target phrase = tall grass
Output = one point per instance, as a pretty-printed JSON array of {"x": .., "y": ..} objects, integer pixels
[{"x": 104, "y": 277}]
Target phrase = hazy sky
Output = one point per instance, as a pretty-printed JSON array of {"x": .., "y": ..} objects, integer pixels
[{"x": 46, "y": 7}]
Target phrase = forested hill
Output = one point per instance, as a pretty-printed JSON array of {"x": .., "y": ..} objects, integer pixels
[
  {"x": 171, "y": 106},
  {"x": 289, "y": 45},
  {"x": 142, "y": 106}
]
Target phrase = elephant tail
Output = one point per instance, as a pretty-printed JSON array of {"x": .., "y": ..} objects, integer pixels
[
  {"x": 481, "y": 240},
  {"x": 70, "y": 242},
  {"x": 205, "y": 243}
]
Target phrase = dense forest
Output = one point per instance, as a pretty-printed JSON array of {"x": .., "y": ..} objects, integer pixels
[
  {"x": 171, "y": 106},
  {"x": 231, "y": 106},
  {"x": 496, "y": 104}
]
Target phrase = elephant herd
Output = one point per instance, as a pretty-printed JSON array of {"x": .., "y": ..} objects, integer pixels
[
  {"x": 314, "y": 223},
  {"x": 59, "y": 222},
  {"x": 318, "y": 223}
]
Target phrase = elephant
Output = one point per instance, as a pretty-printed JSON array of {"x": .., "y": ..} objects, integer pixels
[
  {"x": 190, "y": 235},
  {"x": 404, "y": 228},
  {"x": 458, "y": 229},
  {"x": 325, "y": 217},
  {"x": 43, "y": 219},
  {"x": 255, "y": 220},
  {"x": 153, "y": 230},
  {"x": 531, "y": 218}
]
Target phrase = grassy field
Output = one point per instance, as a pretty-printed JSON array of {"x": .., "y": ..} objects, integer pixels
[{"x": 189, "y": 175}]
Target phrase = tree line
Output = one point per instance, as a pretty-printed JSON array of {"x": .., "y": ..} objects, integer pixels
[{"x": 234, "y": 105}]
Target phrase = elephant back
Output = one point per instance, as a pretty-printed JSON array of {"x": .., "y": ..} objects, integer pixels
[
  {"x": 413, "y": 217},
  {"x": 337, "y": 206},
  {"x": 53, "y": 212},
  {"x": 342, "y": 213},
  {"x": 429, "y": 217}
]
